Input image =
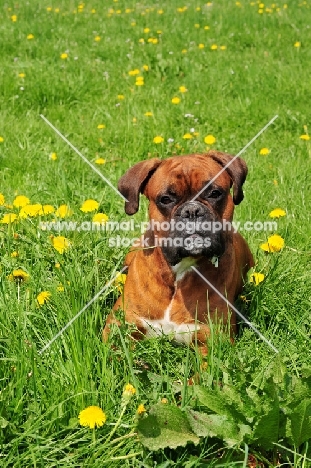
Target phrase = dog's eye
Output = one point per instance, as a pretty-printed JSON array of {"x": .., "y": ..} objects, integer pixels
[
  {"x": 215, "y": 194},
  {"x": 166, "y": 200}
]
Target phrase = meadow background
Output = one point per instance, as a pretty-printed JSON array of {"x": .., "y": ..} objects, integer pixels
[{"x": 112, "y": 76}]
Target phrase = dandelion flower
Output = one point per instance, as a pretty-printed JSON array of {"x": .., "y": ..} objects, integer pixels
[
  {"x": 146, "y": 30},
  {"x": 121, "y": 97},
  {"x": 101, "y": 126},
  {"x": 264, "y": 151},
  {"x": 175, "y": 100},
  {"x": 64, "y": 56},
  {"x": 187, "y": 136},
  {"x": 89, "y": 205},
  {"x": 128, "y": 392},
  {"x": 201, "y": 46},
  {"x": 97, "y": 38},
  {"x": 304, "y": 137},
  {"x": 145, "y": 67},
  {"x": 43, "y": 297},
  {"x": 21, "y": 201},
  {"x": 148, "y": 114},
  {"x": 275, "y": 243},
  {"x": 256, "y": 278},
  {"x": 214, "y": 47},
  {"x": 206, "y": 28},
  {"x": 100, "y": 218},
  {"x": 14, "y": 18},
  {"x": 19, "y": 276},
  {"x": 119, "y": 281},
  {"x": 100, "y": 161},
  {"x": 277, "y": 213},
  {"x": 297, "y": 44},
  {"x": 1, "y": 139},
  {"x": 141, "y": 409},
  {"x": 134, "y": 72},
  {"x": 30, "y": 36},
  {"x": 92, "y": 416},
  {"x": 63, "y": 211},
  {"x": 8, "y": 218},
  {"x": 2, "y": 199},
  {"x": 61, "y": 244},
  {"x": 183, "y": 89},
  {"x": 184, "y": 51},
  {"x": 48, "y": 209},
  {"x": 31, "y": 210},
  {"x": 53, "y": 156},
  {"x": 209, "y": 140},
  {"x": 158, "y": 139},
  {"x": 223, "y": 47},
  {"x": 14, "y": 254},
  {"x": 21, "y": 75}
]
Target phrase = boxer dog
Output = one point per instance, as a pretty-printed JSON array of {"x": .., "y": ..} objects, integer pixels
[{"x": 163, "y": 294}]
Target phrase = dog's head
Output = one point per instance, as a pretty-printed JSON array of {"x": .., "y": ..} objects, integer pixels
[{"x": 189, "y": 199}]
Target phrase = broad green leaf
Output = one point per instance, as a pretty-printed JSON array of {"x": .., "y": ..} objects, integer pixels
[
  {"x": 215, "y": 425},
  {"x": 165, "y": 426},
  {"x": 216, "y": 402},
  {"x": 300, "y": 419}
]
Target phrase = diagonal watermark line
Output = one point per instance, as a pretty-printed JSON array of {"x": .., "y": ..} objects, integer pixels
[
  {"x": 80, "y": 312},
  {"x": 237, "y": 311},
  {"x": 239, "y": 153},
  {"x": 83, "y": 157}
]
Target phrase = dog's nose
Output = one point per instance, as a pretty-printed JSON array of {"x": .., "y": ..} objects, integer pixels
[{"x": 192, "y": 210}]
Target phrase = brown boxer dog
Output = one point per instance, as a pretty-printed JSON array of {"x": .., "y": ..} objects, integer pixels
[{"x": 162, "y": 292}]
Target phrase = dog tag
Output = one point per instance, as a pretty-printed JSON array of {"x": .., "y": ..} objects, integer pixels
[{"x": 214, "y": 261}]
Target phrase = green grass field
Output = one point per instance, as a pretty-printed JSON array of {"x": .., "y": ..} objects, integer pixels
[{"x": 239, "y": 64}]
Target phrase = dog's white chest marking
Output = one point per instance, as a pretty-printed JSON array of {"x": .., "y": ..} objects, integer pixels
[{"x": 180, "y": 332}]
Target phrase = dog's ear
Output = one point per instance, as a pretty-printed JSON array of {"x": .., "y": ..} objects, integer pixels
[
  {"x": 132, "y": 183},
  {"x": 237, "y": 170}
]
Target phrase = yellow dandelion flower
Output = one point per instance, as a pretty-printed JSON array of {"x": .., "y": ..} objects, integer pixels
[
  {"x": 60, "y": 288},
  {"x": 264, "y": 151},
  {"x": 97, "y": 38},
  {"x": 93, "y": 11},
  {"x": 160, "y": 12},
  {"x": 146, "y": 30},
  {"x": 141, "y": 40},
  {"x": 43, "y": 297},
  {"x": 175, "y": 100},
  {"x": 1, "y": 139},
  {"x": 61, "y": 244},
  {"x": 31, "y": 210},
  {"x": 8, "y": 218},
  {"x": 209, "y": 140},
  {"x": 146, "y": 67},
  {"x": 158, "y": 139},
  {"x": 223, "y": 47},
  {"x": 57, "y": 265},
  {"x": 100, "y": 161},
  {"x": 148, "y": 114},
  {"x": 53, "y": 156},
  {"x": 277, "y": 213},
  {"x": 48, "y": 209},
  {"x": 2, "y": 199},
  {"x": 305, "y": 137},
  {"x": 206, "y": 28},
  {"x": 63, "y": 211},
  {"x": 64, "y": 56},
  {"x": 100, "y": 218},
  {"x": 164, "y": 401},
  {"x": 260, "y": 11},
  {"x": 139, "y": 82},
  {"x": 154, "y": 40},
  {"x": 92, "y": 416},
  {"x": 141, "y": 409},
  {"x": 21, "y": 75},
  {"x": 49, "y": 8},
  {"x": 14, "y": 254},
  {"x": 214, "y": 47},
  {"x": 187, "y": 136},
  {"x": 89, "y": 205},
  {"x": 275, "y": 243},
  {"x": 56, "y": 10},
  {"x": 134, "y": 120},
  {"x": 30, "y": 36},
  {"x": 159, "y": 31},
  {"x": 184, "y": 51},
  {"x": 183, "y": 89},
  {"x": 129, "y": 390},
  {"x": 297, "y": 44},
  {"x": 14, "y": 18},
  {"x": 256, "y": 278},
  {"x": 101, "y": 126},
  {"x": 201, "y": 46},
  {"x": 134, "y": 72},
  {"x": 261, "y": 5},
  {"x": 197, "y": 25},
  {"x": 121, "y": 97},
  {"x": 21, "y": 201},
  {"x": 19, "y": 276}
]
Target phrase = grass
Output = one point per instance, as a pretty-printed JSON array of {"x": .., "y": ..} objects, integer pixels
[{"x": 232, "y": 94}]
